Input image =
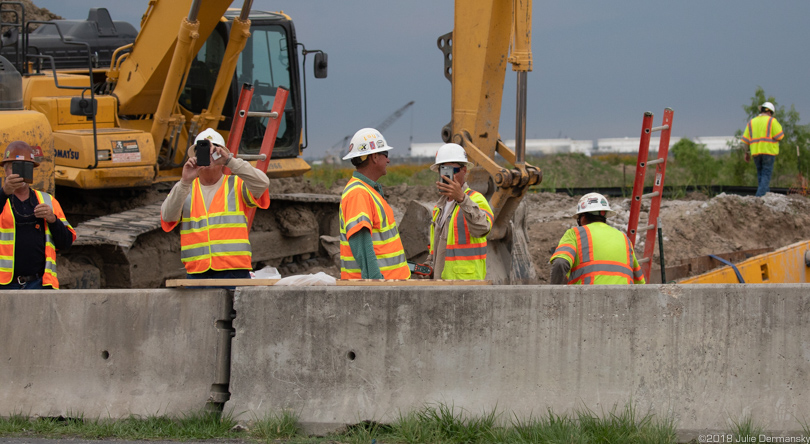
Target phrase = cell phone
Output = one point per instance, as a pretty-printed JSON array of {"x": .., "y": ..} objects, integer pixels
[
  {"x": 203, "y": 152},
  {"x": 447, "y": 171},
  {"x": 24, "y": 170}
]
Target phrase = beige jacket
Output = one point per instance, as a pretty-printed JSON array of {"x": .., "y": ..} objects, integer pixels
[
  {"x": 477, "y": 222},
  {"x": 256, "y": 182}
]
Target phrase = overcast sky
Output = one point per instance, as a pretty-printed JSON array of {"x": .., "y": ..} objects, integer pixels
[{"x": 598, "y": 65}]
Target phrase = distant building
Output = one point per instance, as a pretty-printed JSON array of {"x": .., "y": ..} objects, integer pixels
[{"x": 619, "y": 145}]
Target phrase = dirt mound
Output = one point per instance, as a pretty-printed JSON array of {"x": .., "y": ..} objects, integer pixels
[{"x": 32, "y": 12}]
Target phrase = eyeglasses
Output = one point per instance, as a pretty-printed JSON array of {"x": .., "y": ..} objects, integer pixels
[{"x": 384, "y": 153}]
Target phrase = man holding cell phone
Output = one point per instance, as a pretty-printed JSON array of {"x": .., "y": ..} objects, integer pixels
[
  {"x": 462, "y": 219},
  {"x": 210, "y": 206},
  {"x": 32, "y": 225}
]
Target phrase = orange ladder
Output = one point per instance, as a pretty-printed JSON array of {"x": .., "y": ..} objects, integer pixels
[
  {"x": 270, "y": 133},
  {"x": 658, "y": 186}
]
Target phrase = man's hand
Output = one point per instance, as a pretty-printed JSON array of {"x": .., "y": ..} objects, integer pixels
[
  {"x": 747, "y": 156},
  {"x": 450, "y": 189},
  {"x": 43, "y": 211},
  {"x": 190, "y": 171},
  {"x": 13, "y": 183},
  {"x": 223, "y": 155}
]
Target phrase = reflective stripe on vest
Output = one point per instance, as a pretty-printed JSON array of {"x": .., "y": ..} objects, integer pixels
[
  {"x": 465, "y": 256},
  {"x": 216, "y": 238},
  {"x": 759, "y": 135},
  {"x": 384, "y": 234},
  {"x": 8, "y": 235},
  {"x": 590, "y": 271}
]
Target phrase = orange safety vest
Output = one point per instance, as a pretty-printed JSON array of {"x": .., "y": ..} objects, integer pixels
[
  {"x": 465, "y": 256},
  {"x": 599, "y": 254},
  {"x": 8, "y": 234},
  {"x": 362, "y": 206},
  {"x": 216, "y": 238}
]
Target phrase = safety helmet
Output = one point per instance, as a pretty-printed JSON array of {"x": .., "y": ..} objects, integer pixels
[
  {"x": 594, "y": 203},
  {"x": 212, "y": 135},
  {"x": 768, "y": 105},
  {"x": 366, "y": 141},
  {"x": 451, "y": 153},
  {"x": 19, "y": 150}
]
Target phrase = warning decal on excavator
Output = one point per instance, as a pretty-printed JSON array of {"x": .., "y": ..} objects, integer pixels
[{"x": 125, "y": 151}]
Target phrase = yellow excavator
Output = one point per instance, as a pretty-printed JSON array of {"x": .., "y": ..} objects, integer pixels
[
  {"x": 107, "y": 131},
  {"x": 126, "y": 126}
]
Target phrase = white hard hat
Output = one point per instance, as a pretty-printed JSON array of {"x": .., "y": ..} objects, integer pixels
[
  {"x": 451, "y": 153},
  {"x": 768, "y": 105},
  {"x": 366, "y": 141},
  {"x": 594, "y": 202},
  {"x": 212, "y": 135}
]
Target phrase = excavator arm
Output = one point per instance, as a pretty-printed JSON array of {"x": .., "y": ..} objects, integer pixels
[{"x": 475, "y": 63}]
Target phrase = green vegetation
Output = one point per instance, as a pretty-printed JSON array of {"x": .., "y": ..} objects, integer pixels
[
  {"x": 441, "y": 423},
  {"x": 689, "y": 164}
]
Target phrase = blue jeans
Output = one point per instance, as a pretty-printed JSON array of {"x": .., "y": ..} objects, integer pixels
[
  {"x": 32, "y": 285},
  {"x": 223, "y": 274},
  {"x": 764, "y": 165}
]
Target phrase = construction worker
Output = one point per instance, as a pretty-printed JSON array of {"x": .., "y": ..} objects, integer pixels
[
  {"x": 370, "y": 247},
  {"x": 32, "y": 226},
  {"x": 462, "y": 218},
  {"x": 762, "y": 136},
  {"x": 210, "y": 207},
  {"x": 594, "y": 253}
]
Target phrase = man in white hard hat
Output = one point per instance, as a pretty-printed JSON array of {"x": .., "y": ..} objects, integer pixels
[
  {"x": 210, "y": 206},
  {"x": 762, "y": 136},
  {"x": 462, "y": 219},
  {"x": 370, "y": 247},
  {"x": 594, "y": 253}
]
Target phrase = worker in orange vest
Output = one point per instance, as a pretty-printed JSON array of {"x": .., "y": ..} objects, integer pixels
[
  {"x": 32, "y": 226},
  {"x": 210, "y": 206},
  {"x": 370, "y": 247},
  {"x": 762, "y": 136},
  {"x": 594, "y": 252}
]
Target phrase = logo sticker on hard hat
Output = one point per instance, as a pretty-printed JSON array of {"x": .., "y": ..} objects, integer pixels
[
  {"x": 603, "y": 202},
  {"x": 371, "y": 144}
]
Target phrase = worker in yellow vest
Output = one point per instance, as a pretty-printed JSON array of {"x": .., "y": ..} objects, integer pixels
[
  {"x": 462, "y": 219},
  {"x": 32, "y": 225},
  {"x": 762, "y": 136},
  {"x": 210, "y": 207},
  {"x": 370, "y": 247},
  {"x": 594, "y": 253}
]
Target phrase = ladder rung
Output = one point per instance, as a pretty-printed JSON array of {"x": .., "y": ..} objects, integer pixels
[
  {"x": 653, "y": 194},
  {"x": 272, "y": 115},
  {"x": 659, "y": 128},
  {"x": 643, "y": 229},
  {"x": 655, "y": 162},
  {"x": 643, "y": 260},
  {"x": 251, "y": 156}
]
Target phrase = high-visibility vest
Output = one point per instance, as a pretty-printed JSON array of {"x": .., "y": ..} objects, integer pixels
[
  {"x": 8, "y": 234},
  {"x": 599, "y": 254},
  {"x": 216, "y": 238},
  {"x": 465, "y": 256},
  {"x": 361, "y": 206},
  {"x": 762, "y": 135}
]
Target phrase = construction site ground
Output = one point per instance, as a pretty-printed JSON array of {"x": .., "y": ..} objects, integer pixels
[{"x": 694, "y": 225}]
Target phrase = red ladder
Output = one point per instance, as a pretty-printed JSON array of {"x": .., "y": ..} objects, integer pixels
[
  {"x": 658, "y": 186},
  {"x": 270, "y": 133}
]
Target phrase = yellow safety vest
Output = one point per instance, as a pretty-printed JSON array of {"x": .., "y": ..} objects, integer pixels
[
  {"x": 8, "y": 234},
  {"x": 762, "y": 135},
  {"x": 599, "y": 254},
  {"x": 465, "y": 256}
]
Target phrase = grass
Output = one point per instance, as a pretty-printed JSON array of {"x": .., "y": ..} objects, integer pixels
[{"x": 435, "y": 424}]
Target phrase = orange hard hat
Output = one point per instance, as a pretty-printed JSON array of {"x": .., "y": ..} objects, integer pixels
[{"x": 19, "y": 150}]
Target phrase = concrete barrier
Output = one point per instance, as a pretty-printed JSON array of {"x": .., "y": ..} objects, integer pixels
[
  {"x": 112, "y": 353},
  {"x": 703, "y": 354}
]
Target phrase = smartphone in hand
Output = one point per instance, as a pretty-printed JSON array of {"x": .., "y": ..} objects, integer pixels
[
  {"x": 24, "y": 170},
  {"x": 447, "y": 171},
  {"x": 203, "y": 152}
]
